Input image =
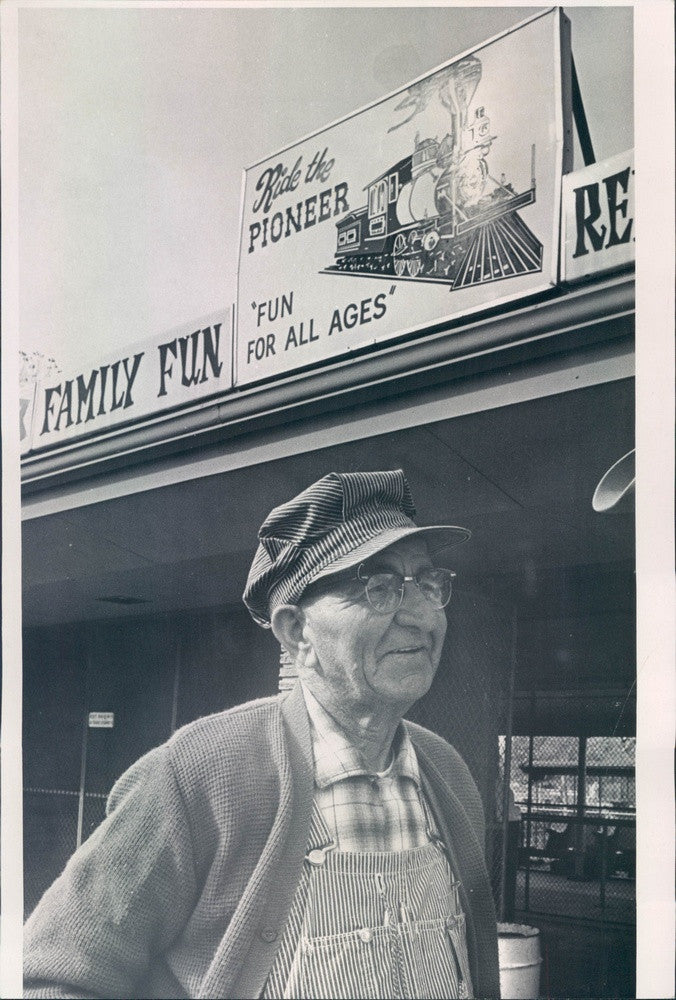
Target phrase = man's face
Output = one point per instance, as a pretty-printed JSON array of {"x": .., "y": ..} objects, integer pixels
[{"x": 361, "y": 658}]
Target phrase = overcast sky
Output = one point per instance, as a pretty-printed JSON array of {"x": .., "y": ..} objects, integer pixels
[{"x": 135, "y": 126}]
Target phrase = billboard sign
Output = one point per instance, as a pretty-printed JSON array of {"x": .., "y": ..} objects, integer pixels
[
  {"x": 438, "y": 201},
  {"x": 598, "y": 232},
  {"x": 175, "y": 369}
]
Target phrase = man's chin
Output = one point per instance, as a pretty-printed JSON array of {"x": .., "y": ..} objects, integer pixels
[{"x": 408, "y": 687}]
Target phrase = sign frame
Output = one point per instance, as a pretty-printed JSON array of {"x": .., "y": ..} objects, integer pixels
[{"x": 254, "y": 347}]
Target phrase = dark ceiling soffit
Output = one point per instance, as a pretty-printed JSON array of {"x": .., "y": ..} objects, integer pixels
[{"x": 586, "y": 316}]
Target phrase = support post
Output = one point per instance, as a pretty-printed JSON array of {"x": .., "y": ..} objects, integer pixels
[
  {"x": 581, "y": 120},
  {"x": 529, "y": 808},
  {"x": 604, "y": 867},
  {"x": 85, "y": 739},
  {"x": 507, "y": 770},
  {"x": 177, "y": 681},
  {"x": 580, "y": 808}
]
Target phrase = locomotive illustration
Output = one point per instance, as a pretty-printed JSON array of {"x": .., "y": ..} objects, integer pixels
[{"x": 438, "y": 214}]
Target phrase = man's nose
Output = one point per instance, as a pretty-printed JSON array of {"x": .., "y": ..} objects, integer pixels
[{"x": 414, "y": 605}]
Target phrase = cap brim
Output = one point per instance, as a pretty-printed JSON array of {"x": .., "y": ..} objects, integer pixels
[{"x": 438, "y": 537}]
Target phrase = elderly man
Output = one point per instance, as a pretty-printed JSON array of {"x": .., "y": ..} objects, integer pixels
[{"x": 312, "y": 845}]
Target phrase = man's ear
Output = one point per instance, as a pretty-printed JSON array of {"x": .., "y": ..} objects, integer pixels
[{"x": 287, "y": 626}]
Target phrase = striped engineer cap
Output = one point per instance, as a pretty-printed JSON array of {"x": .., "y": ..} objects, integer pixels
[{"x": 334, "y": 524}]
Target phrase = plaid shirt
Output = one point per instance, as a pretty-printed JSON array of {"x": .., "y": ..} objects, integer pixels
[{"x": 364, "y": 810}]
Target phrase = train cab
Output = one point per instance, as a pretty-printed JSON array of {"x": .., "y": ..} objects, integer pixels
[{"x": 383, "y": 193}]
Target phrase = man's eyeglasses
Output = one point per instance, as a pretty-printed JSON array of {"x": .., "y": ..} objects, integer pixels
[{"x": 385, "y": 591}]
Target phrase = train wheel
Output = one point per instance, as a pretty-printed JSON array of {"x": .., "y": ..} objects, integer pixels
[
  {"x": 415, "y": 266},
  {"x": 399, "y": 250}
]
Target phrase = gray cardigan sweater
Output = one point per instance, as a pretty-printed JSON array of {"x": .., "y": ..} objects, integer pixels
[{"x": 185, "y": 888}]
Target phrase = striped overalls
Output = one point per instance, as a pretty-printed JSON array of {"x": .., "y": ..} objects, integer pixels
[{"x": 373, "y": 924}]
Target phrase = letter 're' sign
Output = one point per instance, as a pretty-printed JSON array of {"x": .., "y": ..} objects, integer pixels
[{"x": 599, "y": 229}]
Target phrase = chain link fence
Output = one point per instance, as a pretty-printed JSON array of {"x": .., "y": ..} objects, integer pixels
[{"x": 573, "y": 812}]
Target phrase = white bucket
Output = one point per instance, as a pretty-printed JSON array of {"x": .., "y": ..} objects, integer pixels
[{"x": 520, "y": 961}]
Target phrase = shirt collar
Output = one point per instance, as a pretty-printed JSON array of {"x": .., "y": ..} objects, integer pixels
[{"x": 336, "y": 759}]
